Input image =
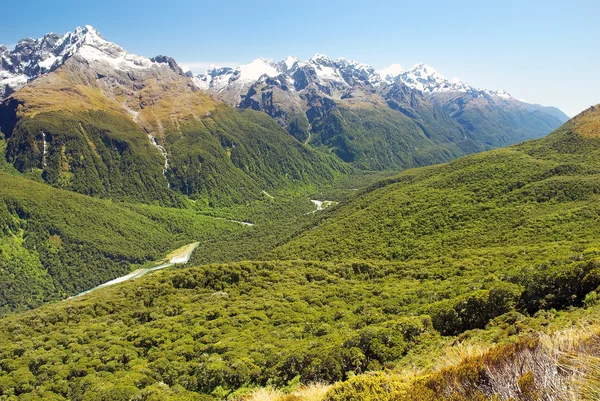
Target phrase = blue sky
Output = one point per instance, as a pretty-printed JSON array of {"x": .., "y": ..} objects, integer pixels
[{"x": 545, "y": 52}]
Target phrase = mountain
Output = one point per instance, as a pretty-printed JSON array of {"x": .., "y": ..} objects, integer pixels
[
  {"x": 494, "y": 117},
  {"x": 355, "y": 112},
  {"x": 85, "y": 115}
]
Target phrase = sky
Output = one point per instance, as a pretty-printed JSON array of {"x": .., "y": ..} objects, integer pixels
[{"x": 545, "y": 52}]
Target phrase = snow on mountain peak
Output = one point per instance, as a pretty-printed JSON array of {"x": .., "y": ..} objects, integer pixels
[
  {"x": 337, "y": 74},
  {"x": 256, "y": 69},
  {"x": 290, "y": 61},
  {"x": 391, "y": 73},
  {"x": 318, "y": 57},
  {"x": 426, "y": 79}
]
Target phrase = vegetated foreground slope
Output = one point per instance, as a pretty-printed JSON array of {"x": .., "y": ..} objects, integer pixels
[
  {"x": 495, "y": 238},
  {"x": 57, "y": 243}
]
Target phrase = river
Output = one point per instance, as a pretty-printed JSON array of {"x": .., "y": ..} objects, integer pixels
[{"x": 180, "y": 256}]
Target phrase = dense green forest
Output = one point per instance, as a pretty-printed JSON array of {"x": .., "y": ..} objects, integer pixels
[
  {"x": 97, "y": 153},
  {"x": 487, "y": 248},
  {"x": 56, "y": 243},
  {"x": 233, "y": 155},
  {"x": 374, "y": 137},
  {"x": 538, "y": 196},
  {"x": 226, "y": 158},
  {"x": 219, "y": 328}
]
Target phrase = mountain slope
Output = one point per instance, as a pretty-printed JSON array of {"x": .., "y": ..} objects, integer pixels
[
  {"x": 487, "y": 201},
  {"x": 495, "y": 118},
  {"x": 105, "y": 122},
  {"x": 313, "y": 98}
]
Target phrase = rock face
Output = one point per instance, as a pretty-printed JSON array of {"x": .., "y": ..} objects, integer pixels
[{"x": 305, "y": 97}]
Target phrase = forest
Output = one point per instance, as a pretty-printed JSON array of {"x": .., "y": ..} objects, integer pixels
[{"x": 489, "y": 250}]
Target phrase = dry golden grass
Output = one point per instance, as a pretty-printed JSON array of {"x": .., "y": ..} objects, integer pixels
[
  {"x": 311, "y": 392},
  {"x": 161, "y": 105},
  {"x": 152, "y": 104},
  {"x": 458, "y": 353},
  {"x": 56, "y": 93},
  {"x": 576, "y": 351},
  {"x": 587, "y": 124}
]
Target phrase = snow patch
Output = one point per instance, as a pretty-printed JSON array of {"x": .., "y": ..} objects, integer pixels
[
  {"x": 290, "y": 62},
  {"x": 256, "y": 69},
  {"x": 391, "y": 72}
]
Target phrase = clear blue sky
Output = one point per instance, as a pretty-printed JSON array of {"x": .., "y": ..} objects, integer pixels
[{"x": 546, "y": 52}]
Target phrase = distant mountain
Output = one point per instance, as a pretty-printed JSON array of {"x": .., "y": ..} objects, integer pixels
[
  {"x": 494, "y": 117},
  {"x": 350, "y": 108},
  {"x": 88, "y": 116}
]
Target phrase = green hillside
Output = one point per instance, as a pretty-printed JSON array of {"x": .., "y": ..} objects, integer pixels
[
  {"x": 57, "y": 243},
  {"x": 233, "y": 155},
  {"x": 489, "y": 249},
  {"x": 538, "y": 195},
  {"x": 374, "y": 137},
  {"x": 96, "y": 153}
]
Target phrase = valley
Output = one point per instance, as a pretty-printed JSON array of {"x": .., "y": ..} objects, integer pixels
[
  {"x": 312, "y": 230},
  {"x": 179, "y": 256}
]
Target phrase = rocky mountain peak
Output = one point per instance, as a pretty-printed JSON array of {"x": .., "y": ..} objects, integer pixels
[
  {"x": 319, "y": 58},
  {"x": 170, "y": 61},
  {"x": 33, "y": 58}
]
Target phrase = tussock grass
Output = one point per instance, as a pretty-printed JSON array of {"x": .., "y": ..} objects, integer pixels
[
  {"x": 310, "y": 392},
  {"x": 564, "y": 366}
]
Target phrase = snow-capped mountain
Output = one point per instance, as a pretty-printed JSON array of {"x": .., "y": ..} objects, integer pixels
[
  {"x": 33, "y": 58},
  {"x": 343, "y": 105},
  {"x": 305, "y": 97},
  {"x": 428, "y": 80},
  {"x": 339, "y": 73},
  {"x": 218, "y": 78},
  {"x": 319, "y": 69}
]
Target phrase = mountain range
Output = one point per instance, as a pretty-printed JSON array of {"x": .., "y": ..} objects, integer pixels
[
  {"x": 372, "y": 120},
  {"x": 329, "y": 103},
  {"x": 85, "y": 115}
]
